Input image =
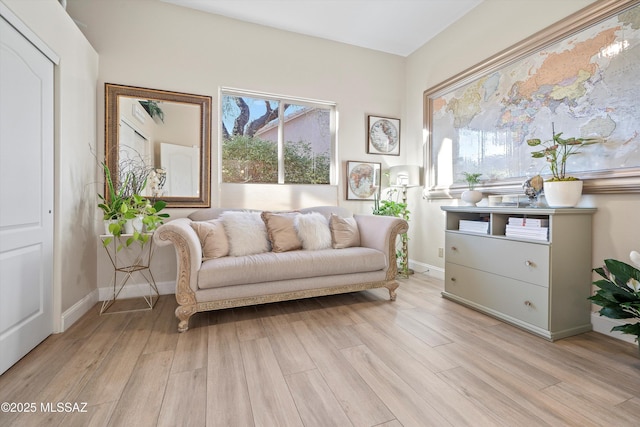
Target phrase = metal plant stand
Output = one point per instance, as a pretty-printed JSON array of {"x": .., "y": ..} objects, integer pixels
[{"x": 127, "y": 261}]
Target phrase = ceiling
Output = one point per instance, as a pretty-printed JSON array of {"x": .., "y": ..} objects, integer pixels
[{"x": 393, "y": 26}]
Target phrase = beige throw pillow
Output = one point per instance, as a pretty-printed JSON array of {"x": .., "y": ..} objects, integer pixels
[
  {"x": 344, "y": 232},
  {"x": 282, "y": 233},
  {"x": 212, "y": 238}
]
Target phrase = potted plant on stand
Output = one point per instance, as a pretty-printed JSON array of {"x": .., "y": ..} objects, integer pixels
[
  {"x": 471, "y": 196},
  {"x": 132, "y": 214},
  {"x": 147, "y": 213},
  {"x": 619, "y": 294},
  {"x": 391, "y": 207},
  {"x": 562, "y": 190}
]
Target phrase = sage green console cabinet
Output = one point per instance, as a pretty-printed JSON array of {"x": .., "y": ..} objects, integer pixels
[{"x": 540, "y": 284}]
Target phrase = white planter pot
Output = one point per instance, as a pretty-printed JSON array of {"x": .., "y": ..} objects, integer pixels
[
  {"x": 471, "y": 197},
  {"x": 132, "y": 225},
  {"x": 108, "y": 222},
  {"x": 562, "y": 194}
]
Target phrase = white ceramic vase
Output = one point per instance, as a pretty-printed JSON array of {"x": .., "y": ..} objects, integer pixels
[
  {"x": 562, "y": 194},
  {"x": 107, "y": 223},
  {"x": 132, "y": 225},
  {"x": 471, "y": 197}
]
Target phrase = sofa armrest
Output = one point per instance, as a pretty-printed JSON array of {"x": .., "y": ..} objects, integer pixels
[
  {"x": 380, "y": 232},
  {"x": 188, "y": 256}
]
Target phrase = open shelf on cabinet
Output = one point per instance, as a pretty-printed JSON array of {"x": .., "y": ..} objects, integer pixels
[{"x": 536, "y": 223}]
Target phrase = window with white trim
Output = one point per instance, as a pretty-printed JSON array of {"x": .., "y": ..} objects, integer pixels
[{"x": 275, "y": 139}]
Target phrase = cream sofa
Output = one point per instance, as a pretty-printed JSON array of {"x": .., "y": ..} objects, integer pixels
[{"x": 232, "y": 281}]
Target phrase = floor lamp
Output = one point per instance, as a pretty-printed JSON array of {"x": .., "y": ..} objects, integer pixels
[{"x": 403, "y": 177}]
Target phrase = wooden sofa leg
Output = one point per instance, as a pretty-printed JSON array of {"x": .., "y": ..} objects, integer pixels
[
  {"x": 392, "y": 290},
  {"x": 184, "y": 313}
]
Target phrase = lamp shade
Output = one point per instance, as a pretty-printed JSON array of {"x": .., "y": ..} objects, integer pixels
[{"x": 404, "y": 175}]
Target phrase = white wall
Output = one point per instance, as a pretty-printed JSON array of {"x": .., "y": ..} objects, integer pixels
[
  {"x": 489, "y": 28},
  {"x": 157, "y": 45},
  {"x": 75, "y": 138}
]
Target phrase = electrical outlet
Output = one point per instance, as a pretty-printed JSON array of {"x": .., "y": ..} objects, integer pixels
[{"x": 440, "y": 252}]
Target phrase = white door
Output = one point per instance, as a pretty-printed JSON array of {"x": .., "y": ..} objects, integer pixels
[
  {"x": 26, "y": 196},
  {"x": 182, "y": 164}
]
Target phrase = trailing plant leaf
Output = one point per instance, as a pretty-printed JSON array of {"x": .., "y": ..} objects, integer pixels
[
  {"x": 619, "y": 294},
  {"x": 631, "y": 328}
]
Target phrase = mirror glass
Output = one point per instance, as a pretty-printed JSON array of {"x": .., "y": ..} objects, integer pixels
[{"x": 158, "y": 144}]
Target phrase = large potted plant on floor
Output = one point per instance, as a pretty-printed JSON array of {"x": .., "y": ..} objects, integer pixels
[
  {"x": 619, "y": 293},
  {"x": 561, "y": 190}
]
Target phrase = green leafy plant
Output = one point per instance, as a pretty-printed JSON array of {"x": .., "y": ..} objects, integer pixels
[
  {"x": 119, "y": 209},
  {"x": 390, "y": 207},
  {"x": 472, "y": 179},
  {"x": 251, "y": 159},
  {"x": 619, "y": 294},
  {"x": 111, "y": 203},
  {"x": 153, "y": 109},
  {"x": 557, "y": 150},
  {"x": 138, "y": 206},
  {"x": 151, "y": 216}
]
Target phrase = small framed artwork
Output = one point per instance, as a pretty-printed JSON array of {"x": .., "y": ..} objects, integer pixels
[
  {"x": 383, "y": 136},
  {"x": 363, "y": 180}
]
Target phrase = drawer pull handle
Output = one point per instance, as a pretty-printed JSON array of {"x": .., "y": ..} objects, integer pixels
[
  {"x": 529, "y": 263},
  {"x": 453, "y": 248},
  {"x": 528, "y": 303},
  {"x": 453, "y": 279}
]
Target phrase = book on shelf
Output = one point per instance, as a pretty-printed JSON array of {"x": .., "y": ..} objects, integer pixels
[
  {"x": 527, "y": 232},
  {"x": 528, "y": 222},
  {"x": 474, "y": 226}
]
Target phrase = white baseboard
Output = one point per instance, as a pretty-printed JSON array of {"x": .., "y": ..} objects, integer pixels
[
  {"x": 136, "y": 290},
  {"x": 429, "y": 270},
  {"x": 77, "y": 310},
  {"x": 603, "y": 325}
]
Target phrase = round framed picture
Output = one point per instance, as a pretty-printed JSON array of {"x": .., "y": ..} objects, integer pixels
[
  {"x": 363, "y": 180},
  {"x": 384, "y": 136}
]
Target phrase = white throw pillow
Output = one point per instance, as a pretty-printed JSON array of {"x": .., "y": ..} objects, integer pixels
[
  {"x": 246, "y": 232},
  {"x": 313, "y": 231}
]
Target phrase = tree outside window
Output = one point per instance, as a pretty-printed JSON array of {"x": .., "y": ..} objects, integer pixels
[{"x": 259, "y": 147}]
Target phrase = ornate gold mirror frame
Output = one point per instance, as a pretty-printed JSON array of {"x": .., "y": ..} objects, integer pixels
[{"x": 170, "y": 132}]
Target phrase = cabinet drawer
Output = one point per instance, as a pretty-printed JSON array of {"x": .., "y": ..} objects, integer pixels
[
  {"x": 524, "y": 301},
  {"x": 528, "y": 262}
]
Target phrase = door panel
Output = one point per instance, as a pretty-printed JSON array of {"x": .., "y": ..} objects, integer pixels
[{"x": 26, "y": 192}]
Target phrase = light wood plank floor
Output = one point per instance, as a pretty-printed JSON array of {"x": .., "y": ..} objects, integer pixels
[{"x": 355, "y": 359}]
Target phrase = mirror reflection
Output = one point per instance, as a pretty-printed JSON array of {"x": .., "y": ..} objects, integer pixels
[{"x": 157, "y": 144}]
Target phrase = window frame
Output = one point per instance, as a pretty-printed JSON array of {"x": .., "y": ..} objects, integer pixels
[{"x": 282, "y": 100}]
